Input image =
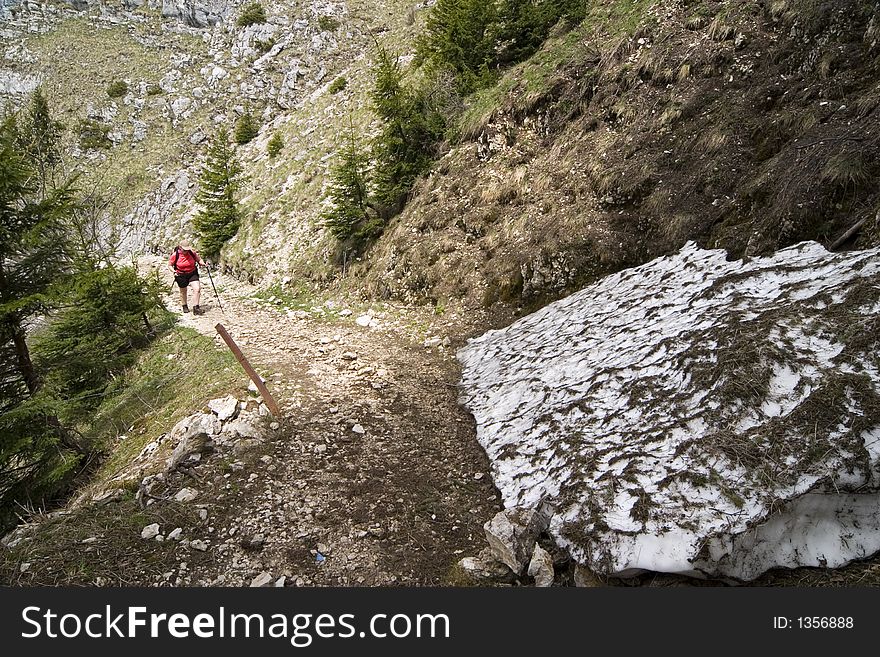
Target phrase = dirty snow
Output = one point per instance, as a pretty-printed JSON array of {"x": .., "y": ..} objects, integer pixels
[{"x": 694, "y": 415}]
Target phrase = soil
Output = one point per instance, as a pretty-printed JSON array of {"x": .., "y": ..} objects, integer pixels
[{"x": 397, "y": 504}]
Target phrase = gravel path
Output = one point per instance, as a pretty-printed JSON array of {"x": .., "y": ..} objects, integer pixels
[{"x": 375, "y": 464}]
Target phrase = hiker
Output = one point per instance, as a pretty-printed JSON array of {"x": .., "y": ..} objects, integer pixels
[{"x": 184, "y": 263}]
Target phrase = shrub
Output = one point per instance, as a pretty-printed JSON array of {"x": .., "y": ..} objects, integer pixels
[
  {"x": 327, "y": 23},
  {"x": 263, "y": 46},
  {"x": 251, "y": 15},
  {"x": 94, "y": 134},
  {"x": 276, "y": 143},
  {"x": 117, "y": 89},
  {"x": 246, "y": 128},
  {"x": 337, "y": 85},
  {"x": 154, "y": 89}
]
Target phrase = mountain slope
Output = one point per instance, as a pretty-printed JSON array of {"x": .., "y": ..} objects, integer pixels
[{"x": 742, "y": 125}]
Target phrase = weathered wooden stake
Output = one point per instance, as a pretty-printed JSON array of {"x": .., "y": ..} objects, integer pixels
[{"x": 256, "y": 378}]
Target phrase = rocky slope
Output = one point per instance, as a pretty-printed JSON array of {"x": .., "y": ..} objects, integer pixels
[{"x": 188, "y": 72}]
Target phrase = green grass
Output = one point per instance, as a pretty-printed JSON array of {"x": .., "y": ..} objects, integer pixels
[{"x": 175, "y": 376}]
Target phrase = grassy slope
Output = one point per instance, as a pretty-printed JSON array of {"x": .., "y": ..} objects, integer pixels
[
  {"x": 176, "y": 375},
  {"x": 282, "y": 232},
  {"x": 109, "y": 53}
]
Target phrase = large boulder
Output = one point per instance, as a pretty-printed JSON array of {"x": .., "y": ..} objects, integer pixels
[{"x": 695, "y": 415}]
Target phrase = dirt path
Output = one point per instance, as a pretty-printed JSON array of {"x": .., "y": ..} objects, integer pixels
[{"x": 375, "y": 463}]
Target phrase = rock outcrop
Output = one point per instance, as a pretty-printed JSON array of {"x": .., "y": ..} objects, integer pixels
[{"x": 695, "y": 415}]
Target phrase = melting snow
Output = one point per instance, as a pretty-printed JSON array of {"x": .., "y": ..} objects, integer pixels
[{"x": 695, "y": 415}]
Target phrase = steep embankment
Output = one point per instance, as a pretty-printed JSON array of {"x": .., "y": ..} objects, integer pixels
[{"x": 742, "y": 125}]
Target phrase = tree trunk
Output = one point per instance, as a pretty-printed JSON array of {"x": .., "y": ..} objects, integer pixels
[{"x": 23, "y": 358}]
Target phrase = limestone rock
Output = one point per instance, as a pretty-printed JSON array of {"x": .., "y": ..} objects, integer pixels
[
  {"x": 541, "y": 567},
  {"x": 109, "y": 496},
  {"x": 225, "y": 408},
  {"x": 264, "y": 579},
  {"x": 247, "y": 425},
  {"x": 150, "y": 531},
  {"x": 486, "y": 569},
  {"x": 196, "y": 13},
  {"x": 193, "y": 435},
  {"x": 186, "y": 495},
  {"x": 512, "y": 534}
]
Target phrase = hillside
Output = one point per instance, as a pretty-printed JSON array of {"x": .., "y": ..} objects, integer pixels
[{"x": 740, "y": 125}]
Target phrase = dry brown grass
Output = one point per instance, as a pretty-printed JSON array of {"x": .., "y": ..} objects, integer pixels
[
  {"x": 684, "y": 72},
  {"x": 847, "y": 170},
  {"x": 712, "y": 141},
  {"x": 721, "y": 31}
]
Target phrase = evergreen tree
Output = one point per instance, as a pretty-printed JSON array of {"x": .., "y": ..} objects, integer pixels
[
  {"x": 36, "y": 452},
  {"x": 31, "y": 244},
  {"x": 101, "y": 324},
  {"x": 412, "y": 127},
  {"x": 523, "y": 25},
  {"x": 38, "y": 137},
  {"x": 475, "y": 39},
  {"x": 220, "y": 216},
  {"x": 276, "y": 143},
  {"x": 246, "y": 128},
  {"x": 459, "y": 35},
  {"x": 349, "y": 193}
]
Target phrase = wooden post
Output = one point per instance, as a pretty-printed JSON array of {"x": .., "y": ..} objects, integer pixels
[{"x": 256, "y": 378}]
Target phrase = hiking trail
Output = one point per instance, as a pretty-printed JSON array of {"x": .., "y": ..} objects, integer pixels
[{"x": 375, "y": 464}]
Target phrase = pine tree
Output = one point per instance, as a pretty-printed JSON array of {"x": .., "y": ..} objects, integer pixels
[
  {"x": 31, "y": 243},
  {"x": 246, "y": 128},
  {"x": 35, "y": 450},
  {"x": 220, "y": 216},
  {"x": 38, "y": 137},
  {"x": 276, "y": 143},
  {"x": 459, "y": 35},
  {"x": 475, "y": 39},
  {"x": 94, "y": 336},
  {"x": 412, "y": 127},
  {"x": 349, "y": 192}
]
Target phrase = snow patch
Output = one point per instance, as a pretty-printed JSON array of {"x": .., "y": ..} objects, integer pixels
[{"x": 689, "y": 415}]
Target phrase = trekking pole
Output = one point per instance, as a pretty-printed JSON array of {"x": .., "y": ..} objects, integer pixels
[{"x": 211, "y": 278}]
